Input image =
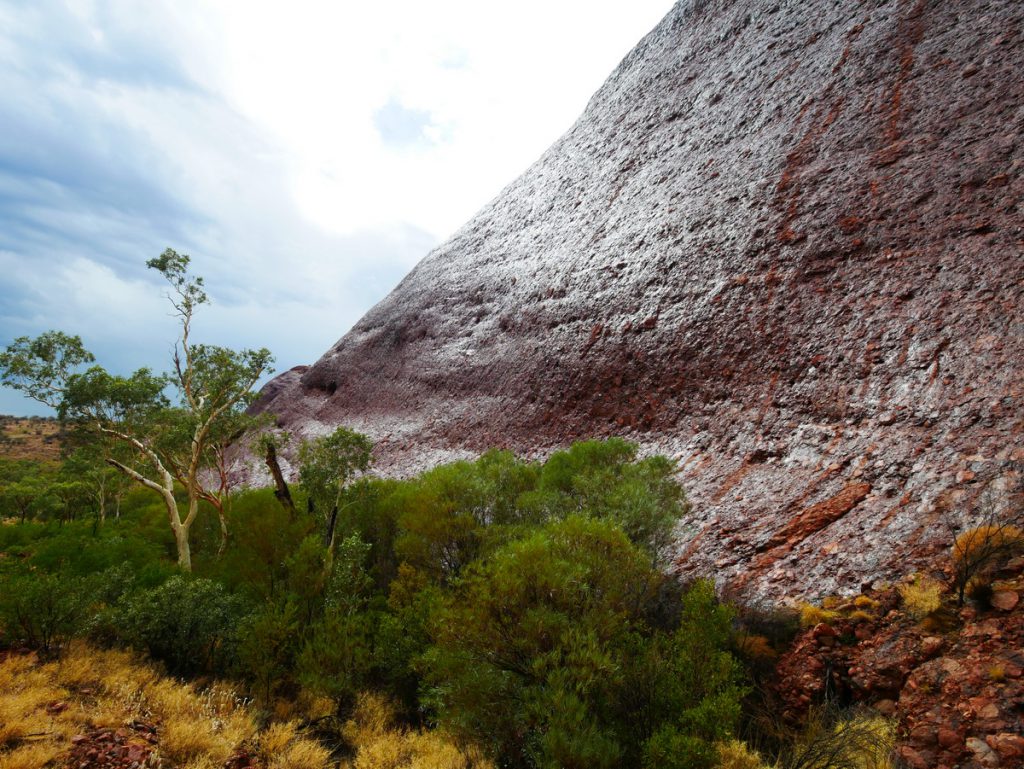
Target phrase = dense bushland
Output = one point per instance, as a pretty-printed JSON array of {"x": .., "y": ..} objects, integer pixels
[{"x": 518, "y": 606}]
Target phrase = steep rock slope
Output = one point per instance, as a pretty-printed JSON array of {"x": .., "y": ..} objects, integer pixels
[{"x": 784, "y": 244}]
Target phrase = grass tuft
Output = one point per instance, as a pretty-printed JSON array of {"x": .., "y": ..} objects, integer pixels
[
  {"x": 922, "y": 597},
  {"x": 43, "y": 705}
]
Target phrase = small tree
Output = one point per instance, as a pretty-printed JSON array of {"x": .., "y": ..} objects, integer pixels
[
  {"x": 167, "y": 442},
  {"x": 100, "y": 482},
  {"x": 984, "y": 540},
  {"x": 326, "y": 465},
  {"x": 24, "y": 488}
]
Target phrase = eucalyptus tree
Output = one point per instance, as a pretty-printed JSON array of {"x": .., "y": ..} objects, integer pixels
[
  {"x": 167, "y": 440},
  {"x": 326, "y": 465},
  {"x": 24, "y": 489}
]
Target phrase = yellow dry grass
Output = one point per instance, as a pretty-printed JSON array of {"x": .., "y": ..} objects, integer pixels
[
  {"x": 383, "y": 745},
  {"x": 31, "y": 756},
  {"x": 811, "y": 615},
  {"x": 921, "y": 597},
  {"x": 865, "y": 602},
  {"x": 197, "y": 729},
  {"x": 996, "y": 672},
  {"x": 736, "y": 755}
]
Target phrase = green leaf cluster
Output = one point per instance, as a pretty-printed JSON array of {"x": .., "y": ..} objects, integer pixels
[{"x": 543, "y": 653}]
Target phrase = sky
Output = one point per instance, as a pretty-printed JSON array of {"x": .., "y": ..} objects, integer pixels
[{"x": 306, "y": 155}]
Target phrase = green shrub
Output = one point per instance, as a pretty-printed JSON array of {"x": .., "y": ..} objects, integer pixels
[
  {"x": 263, "y": 537},
  {"x": 542, "y": 655},
  {"x": 604, "y": 479},
  {"x": 267, "y": 640},
  {"x": 672, "y": 748},
  {"x": 338, "y": 659},
  {"x": 189, "y": 624},
  {"x": 43, "y": 611}
]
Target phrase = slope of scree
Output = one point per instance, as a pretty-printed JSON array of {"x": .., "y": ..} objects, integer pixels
[{"x": 784, "y": 245}]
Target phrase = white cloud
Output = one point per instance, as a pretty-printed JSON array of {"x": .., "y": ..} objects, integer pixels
[
  {"x": 500, "y": 83},
  {"x": 306, "y": 154}
]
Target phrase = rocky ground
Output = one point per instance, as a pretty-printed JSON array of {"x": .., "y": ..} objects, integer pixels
[
  {"x": 955, "y": 683},
  {"x": 128, "y": 747},
  {"x": 29, "y": 438}
]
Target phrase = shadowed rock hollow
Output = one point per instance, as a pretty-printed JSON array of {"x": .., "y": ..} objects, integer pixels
[{"x": 784, "y": 244}]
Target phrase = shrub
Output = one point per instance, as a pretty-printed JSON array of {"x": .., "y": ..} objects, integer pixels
[
  {"x": 811, "y": 615},
  {"x": 989, "y": 537},
  {"x": 984, "y": 541},
  {"x": 44, "y": 611},
  {"x": 865, "y": 602},
  {"x": 734, "y": 754},
  {"x": 542, "y": 656},
  {"x": 264, "y": 538},
  {"x": 337, "y": 660},
  {"x": 456, "y": 513},
  {"x": 921, "y": 597},
  {"x": 977, "y": 552},
  {"x": 672, "y": 748},
  {"x": 603, "y": 478},
  {"x": 755, "y": 647},
  {"x": 187, "y": 623},
  {"x": 842, "y": 739},
  {"x": 267, "y": 641}
]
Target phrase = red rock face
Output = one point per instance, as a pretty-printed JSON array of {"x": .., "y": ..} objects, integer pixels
[
  {"x": 955, "y": 692},
  {"x": 784, "y": 245}
]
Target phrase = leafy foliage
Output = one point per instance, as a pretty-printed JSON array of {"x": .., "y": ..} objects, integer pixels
[
  {"x": 42, "y": 367},
  {"x": 44, "y": 611},
  {"x": 542, "y": 654},
  {"x": 326, "y": 465},
  {"x": 517, "y": 604},
  {"x": 187, "y": 623}
]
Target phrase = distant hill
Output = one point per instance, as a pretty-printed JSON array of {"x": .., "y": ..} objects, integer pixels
[{"x": 35, "y": 438}]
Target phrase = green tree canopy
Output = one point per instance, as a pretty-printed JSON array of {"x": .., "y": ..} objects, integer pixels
[
  {"x": 543, "y": 654},
  {"x": 168, "y": 441},
  {"x": 326, "y": 465}
]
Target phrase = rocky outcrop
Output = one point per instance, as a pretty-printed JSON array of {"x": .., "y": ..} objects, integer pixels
[
  {"x": 783, "y": 245},
  {"x": 955, "y": 687}
]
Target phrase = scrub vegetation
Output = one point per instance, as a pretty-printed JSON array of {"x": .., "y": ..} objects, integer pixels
[{"x": 494, "y": 613}]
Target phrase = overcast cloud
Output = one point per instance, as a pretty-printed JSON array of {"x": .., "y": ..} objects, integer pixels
[{"x": 306, "y": 154}]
